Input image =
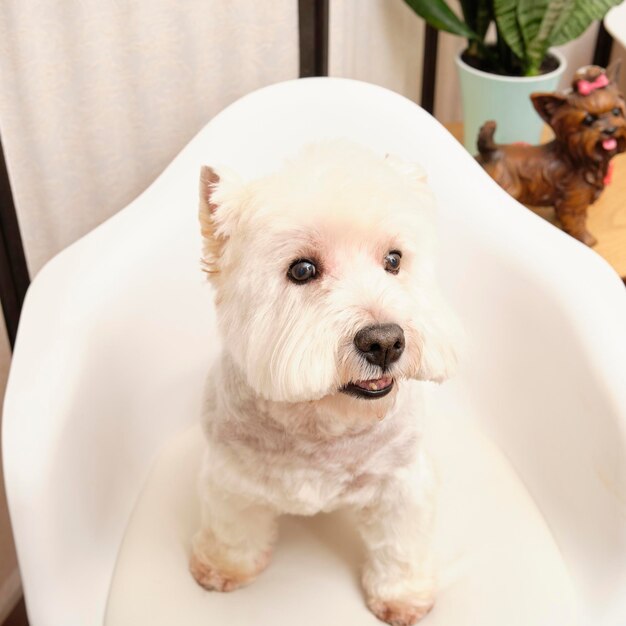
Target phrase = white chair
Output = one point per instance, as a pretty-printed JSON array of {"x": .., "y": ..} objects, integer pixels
[{"x": 100, "y": 437}]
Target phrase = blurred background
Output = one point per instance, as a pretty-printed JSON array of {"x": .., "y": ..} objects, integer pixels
[{"x": 98, "y": 96}]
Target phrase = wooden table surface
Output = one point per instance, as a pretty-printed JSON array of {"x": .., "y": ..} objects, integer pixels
[{"x": 606, "y": 218}]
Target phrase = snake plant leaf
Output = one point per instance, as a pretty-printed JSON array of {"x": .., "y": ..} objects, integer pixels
[
  {"x": 539, "y": 20},
  {"x": 477, "y": 15},
  {"x": 469, "y": 8},
  {"x": 579, "y": 18},
  {"x": 438, "y": 14},
  {"x": 505, "y": 12},
  {"x": 483, "y": 18}
]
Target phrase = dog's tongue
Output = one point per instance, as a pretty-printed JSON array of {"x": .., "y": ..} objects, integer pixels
[
  {"x": 609, "y": 144},
  {"x": 374, "y": 384}
]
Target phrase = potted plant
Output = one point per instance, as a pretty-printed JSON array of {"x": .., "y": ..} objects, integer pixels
[{"x": 498, "y": 75}]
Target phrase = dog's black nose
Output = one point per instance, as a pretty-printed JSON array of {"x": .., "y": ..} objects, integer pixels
[
  {"x": 609, "y": 130},
  {"x": 381, "y": 344}
]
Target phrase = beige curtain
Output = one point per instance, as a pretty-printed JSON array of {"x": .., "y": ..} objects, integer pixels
[
  {"x": 97, "y": 96},
  {"x": 379, "y": 41}
]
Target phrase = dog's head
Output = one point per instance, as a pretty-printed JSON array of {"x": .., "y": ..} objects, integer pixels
[
  {"x": 323, "y": 275},
  {"x": 589, "y": 119}
]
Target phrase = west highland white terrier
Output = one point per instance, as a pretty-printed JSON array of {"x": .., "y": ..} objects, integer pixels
[{"x": 329, "y": 313}]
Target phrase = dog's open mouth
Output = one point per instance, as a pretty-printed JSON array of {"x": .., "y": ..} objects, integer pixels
[{"x": 374, "y": 388}]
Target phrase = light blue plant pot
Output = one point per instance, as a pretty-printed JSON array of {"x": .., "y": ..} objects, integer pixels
[{"x": 505, "y": 99}]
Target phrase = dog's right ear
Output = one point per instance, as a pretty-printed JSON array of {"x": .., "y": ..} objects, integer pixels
[
  {"x": 547, "y": 104},
  {"x": 213, "y": 241}
]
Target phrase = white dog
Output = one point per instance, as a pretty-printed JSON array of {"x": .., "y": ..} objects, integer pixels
[{"x": 328, "y": 311}]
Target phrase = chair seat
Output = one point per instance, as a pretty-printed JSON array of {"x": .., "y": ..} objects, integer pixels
[{"x": 499, "y": 564}]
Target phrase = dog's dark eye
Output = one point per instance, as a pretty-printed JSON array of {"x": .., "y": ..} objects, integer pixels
[
  {"x": 589, "y": 119},
  {"x": 616, "y": 111},
  {"x": 301, "y": 271},
  {"x": 392, "y": 262}
]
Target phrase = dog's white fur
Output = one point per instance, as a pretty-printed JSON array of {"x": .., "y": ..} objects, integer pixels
[{"x": 281, "y": 436}]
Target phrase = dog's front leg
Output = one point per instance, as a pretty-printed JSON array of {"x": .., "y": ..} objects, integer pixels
[
  {"x": 571, "y": 211},
  {"x": 235, "y": 541},
  {"x": 397, "y": 529}
]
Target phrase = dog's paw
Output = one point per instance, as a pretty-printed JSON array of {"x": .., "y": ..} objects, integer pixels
[
  {"x": 210, "y": 578},
  {"x": 400, "y": 612},
  {"x": 213, "y": 578},
  {"x": 588, "y": 239}
]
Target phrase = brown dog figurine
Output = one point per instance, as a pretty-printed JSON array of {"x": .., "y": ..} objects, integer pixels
[{"x": 571, "y": 171}]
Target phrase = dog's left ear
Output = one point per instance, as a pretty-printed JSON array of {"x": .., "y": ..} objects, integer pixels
[
  {"x": 223, "y": 196},
  {"x": 410, "y": 169},
  {"x": 212, "y": 239},
  {"x": 547, "y": 104},
  {"x": 208, "y": 181}
]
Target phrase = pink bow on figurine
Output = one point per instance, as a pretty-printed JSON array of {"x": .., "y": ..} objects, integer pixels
[{"x": 585, "y": 87}]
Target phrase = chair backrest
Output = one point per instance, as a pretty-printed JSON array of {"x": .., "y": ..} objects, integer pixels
[{"x": 117, "y": 332}]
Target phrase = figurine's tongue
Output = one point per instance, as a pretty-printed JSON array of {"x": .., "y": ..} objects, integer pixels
[{"x": 609, "y": 144}]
